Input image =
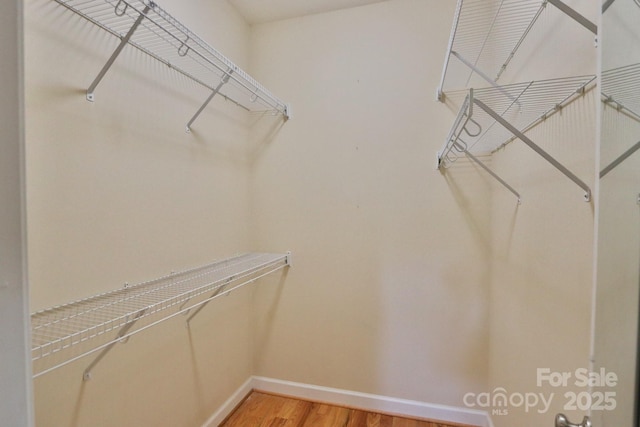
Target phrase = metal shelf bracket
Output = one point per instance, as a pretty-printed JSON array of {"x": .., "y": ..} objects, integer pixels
[
  {"x": 620, "y": 159},
  {"x": 569, "y": 11},
  {"x": 536, "y": 148},
  {"x": 123, "y": 42},
  {"x": 223, "y": 81},
  {"x": 121, "y": 337}
]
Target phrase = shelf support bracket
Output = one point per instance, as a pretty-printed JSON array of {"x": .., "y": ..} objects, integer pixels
[
  {"x": 535, "y": 148},
  {"x": 86, "y": 376},
  {"x": 606, "y": 5},
  {"x": 215, "y": 293},
  {"x": 494, "y": 175},
  {"x": 575, "y": 16},
  {"x": 223, "y": 81},
  {"x": 620, "y": 159},
  {"x": 116, "y": 53}
]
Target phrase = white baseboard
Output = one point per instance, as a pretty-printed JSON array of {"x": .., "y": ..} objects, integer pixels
[
  {"x": 230, "y": 404},
  {"x": 366, "y": 401}
]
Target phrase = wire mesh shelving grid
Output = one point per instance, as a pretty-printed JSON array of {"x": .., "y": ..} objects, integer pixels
[
  {"x": 87, "y": 323},
  {"x": 523, "y": 105},
  {"x": 164, "y": 38},
  {"x": 487, "y": 34},
  {"x": 621, "y": 88}
]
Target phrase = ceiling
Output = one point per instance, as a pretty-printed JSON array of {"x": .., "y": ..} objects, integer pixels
[{"x": 259, "y": 11}]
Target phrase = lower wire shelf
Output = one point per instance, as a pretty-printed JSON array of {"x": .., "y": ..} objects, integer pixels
[
  {"x": 63, "y": 334},
  {"x": 492, "y": 117}
]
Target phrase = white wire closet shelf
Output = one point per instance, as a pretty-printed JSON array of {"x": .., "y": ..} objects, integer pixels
[
  {"x": 620, "y": 88},
  {"x": 144, "y": 25},
  {"x": 485, "y": 36},
  {"x": 66, "y": 333},
  {"x": 492, "y": 117}
]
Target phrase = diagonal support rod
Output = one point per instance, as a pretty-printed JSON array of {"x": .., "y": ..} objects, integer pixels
[
  {"x": 536, "y": 148},
  {"x": 121, "y": 334},
  {"x": 217, "y": 292},
  {"x": 606, "y": 5},
  {"x": 116, "y": 53},
  {"x": 620, "y": 159},
  {"x": 493, "y": 174},
  {"x": 224, "y": 80},
  {"x": 575, "y": 16}
]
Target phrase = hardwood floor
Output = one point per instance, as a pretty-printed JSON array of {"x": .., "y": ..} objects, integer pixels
[{"x": 267, "y": 410}]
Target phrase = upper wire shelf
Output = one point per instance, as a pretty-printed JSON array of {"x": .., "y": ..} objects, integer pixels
[
  {"x": 146, "y": 26},
  {"x": 63, "y": 334},
  {"x": 485, "y": 36}
]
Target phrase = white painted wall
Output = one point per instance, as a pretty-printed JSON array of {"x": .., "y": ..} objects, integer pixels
[
  {"x": 542, "y": 265},
  {"x": 15, "y": 371},
  {"x": 406, "y": 282},
  {"x": 118, "y": 192},
  {"x": 616, "y": 330},
  {"x": 389, "y": 289}
]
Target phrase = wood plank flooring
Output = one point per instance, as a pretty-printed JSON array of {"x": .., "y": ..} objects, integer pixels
[{"x": 267, "y": 410}]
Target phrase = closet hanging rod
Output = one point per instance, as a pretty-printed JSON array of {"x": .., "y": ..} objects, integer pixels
[
  {"x": 486, "y": 35},
  {"x": 66, "y": 333},
  {"x": 164, "y": 38}
]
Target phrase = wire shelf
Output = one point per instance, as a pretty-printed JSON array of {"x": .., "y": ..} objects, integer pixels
[
  {"x": 164, "y": 38},
  {"x": 485, "y": 36},
  {"x": 523, "y": 105},
  {"x": 85, "y": 325},
  {"x": 483, "y": 27},
  {"x": 621, "y": 88}
]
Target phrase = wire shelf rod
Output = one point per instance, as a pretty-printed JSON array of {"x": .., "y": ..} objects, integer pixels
[{"x": 620, "y": 159}]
